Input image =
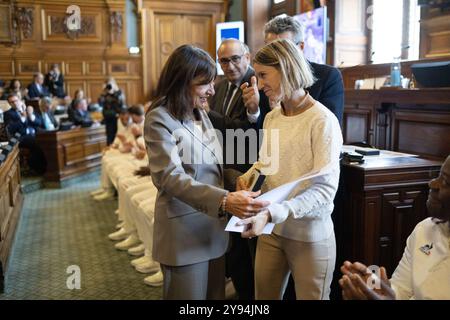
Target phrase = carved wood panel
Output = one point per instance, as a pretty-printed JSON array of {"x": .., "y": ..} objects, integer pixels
[
  {"x": 401, "y": 210},
  {"x": 417, "y": 132},
  {"x": 73, "y": 85},
  {"x": 358, "y": 124}
]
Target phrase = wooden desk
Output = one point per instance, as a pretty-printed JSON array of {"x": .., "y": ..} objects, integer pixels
[
  {"x": 11, "y": 201},
  {"x": 411, "y": 121},
  {"x": 71, "y": 153},
  {"x": 378, "y": 206}
]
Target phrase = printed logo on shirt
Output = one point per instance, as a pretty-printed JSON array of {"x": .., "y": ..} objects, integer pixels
[{"x": 427, "y": 249}]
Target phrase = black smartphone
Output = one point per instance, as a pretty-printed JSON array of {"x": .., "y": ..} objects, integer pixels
[{"x": 256, "y": 180}]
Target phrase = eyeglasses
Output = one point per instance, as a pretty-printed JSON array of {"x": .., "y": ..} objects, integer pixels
[{"x": 233, "y": 59}]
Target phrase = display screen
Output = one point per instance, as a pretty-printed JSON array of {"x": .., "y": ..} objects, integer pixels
[{"x": 315, "y": 34}]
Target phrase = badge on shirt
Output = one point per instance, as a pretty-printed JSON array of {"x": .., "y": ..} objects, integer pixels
[{"x": 427, "y": 249}]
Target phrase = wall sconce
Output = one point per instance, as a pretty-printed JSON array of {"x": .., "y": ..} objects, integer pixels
[{"x": 133, "y": 50}]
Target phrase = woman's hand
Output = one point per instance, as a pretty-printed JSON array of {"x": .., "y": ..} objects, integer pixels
[
  {"x": 354, "y": 283},
  {"x": 255, "y": 225},
  {"x": 242, "y": 205}
]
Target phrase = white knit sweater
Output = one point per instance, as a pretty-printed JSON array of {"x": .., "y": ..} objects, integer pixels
[{"x": 307, "y": 142}]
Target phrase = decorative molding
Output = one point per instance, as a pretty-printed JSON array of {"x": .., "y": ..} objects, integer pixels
[
  {"x": 25, "y": 17},
  {"x": 116, "y": 22},
  {"x": 58, "y": 25}
]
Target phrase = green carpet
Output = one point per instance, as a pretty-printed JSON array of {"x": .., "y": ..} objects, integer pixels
[{"x": 63, "y": 227}]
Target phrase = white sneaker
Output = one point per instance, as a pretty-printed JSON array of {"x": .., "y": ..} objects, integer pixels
[
  {"x": 118, "y": 235},
  {"x": 97, "y": 192},
  {"x": 148, "y": 267},
  {"x": 129, "y": 242},
  {"x": 137, "y": 251},
  {"x": 120, "y": 225},
  {"x": 155, "y": 280},
  {"x": 104, "y": 196},
  {"x": 140, "y": 260}
]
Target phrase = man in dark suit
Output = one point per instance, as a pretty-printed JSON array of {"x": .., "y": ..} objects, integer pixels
[
  {"x": 54, "y": 81},
  {"x": 329, "y": 87},
  {"x": 79, "y": 115},
  {"x": 36, "y": 89},
  {"x": 22, "y": 120},
  {"x": 229, "y": 113},
  {"x": 46, "y": 118}
]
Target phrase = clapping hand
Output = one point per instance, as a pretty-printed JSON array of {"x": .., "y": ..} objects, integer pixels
[{"x": 355, "y": 279}]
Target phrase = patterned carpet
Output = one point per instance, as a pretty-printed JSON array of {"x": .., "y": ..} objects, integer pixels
[{"x": 64, "y": 227}]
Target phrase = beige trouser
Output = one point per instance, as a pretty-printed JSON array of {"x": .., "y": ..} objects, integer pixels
[{"x": 311, "y": 263}]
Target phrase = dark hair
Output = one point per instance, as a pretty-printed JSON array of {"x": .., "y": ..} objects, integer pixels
[
  {"x": 137, "y": 109},
  {"x": 184, "y": 65},
  {"x": 13, "y": 94},
  {"x": 11, "y": 83}
]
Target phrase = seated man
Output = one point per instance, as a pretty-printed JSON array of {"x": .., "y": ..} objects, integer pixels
[
  {"x": 24, "y": 122},
  {"x": 79, "y": 115},
  {"x": 36, "y": 89},
  {"x": 20, "y": 119},
  {"x": 424, "y": 270},
  {"x": 46, "y": 118}
]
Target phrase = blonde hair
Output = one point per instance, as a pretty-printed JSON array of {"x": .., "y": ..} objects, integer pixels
[{"x": 287, "y": 58}]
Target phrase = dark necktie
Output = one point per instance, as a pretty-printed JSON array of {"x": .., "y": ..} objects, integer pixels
[{"x": 229, "y": 95}]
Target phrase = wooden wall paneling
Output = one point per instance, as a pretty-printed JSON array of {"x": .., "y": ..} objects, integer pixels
[
  {"x": 416, "y": 132},
  {"x": 75, "y": 68},
  {"x": 166, "y": 40},
  {"x": 11, "y": 201},
  {"x": 434, "y": 33},
  {"x": 6, "y": 68},
  {"x": 28, "y": 67},
  {"x": 170, "y": 24},
  {"x": 359, "y": 123},
  {"x": 53, "y": 29},
  {"x": 118, "y": 67},
  {"x": 199, "y": 31},
  {"x": 402, "y": 208},
  {"x": 95, "y": 89},
  {"x": 95, "y": 68},
  {"x": 73, "y": 85}
]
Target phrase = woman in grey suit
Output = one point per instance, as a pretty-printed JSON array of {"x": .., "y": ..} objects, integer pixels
[{"x": 185, "y": 164}]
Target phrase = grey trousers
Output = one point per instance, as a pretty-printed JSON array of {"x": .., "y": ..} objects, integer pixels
[{"x": 199, "y": 281}]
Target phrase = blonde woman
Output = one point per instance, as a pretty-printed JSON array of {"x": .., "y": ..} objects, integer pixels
[{"x": 302, "y": 242}]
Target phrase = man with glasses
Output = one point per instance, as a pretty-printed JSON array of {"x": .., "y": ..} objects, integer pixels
[{"x": 228, "y": 111}]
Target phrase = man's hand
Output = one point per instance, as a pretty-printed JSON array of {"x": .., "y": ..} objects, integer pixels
[{"x": 250, "y": 95}]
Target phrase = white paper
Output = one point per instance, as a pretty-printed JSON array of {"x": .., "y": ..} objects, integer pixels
[
  {"x": 232, "y": 227},
  {"x": 277, "y": 195}
]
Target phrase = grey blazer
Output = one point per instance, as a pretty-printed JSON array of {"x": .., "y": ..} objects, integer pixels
[{"x": 186, "y": 169}]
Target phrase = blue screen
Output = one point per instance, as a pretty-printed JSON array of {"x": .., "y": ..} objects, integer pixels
[{"x": 229, "y": 33}]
